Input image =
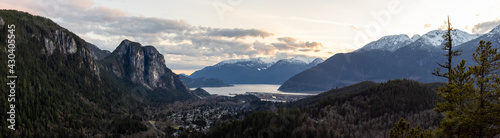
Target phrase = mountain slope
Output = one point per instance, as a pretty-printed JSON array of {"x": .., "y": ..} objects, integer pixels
[
  {"x": 255, "y": 70},
  {"x": 61, "y": 91},
  {"x": 415, "y": 60},
  {"x": 96, "y": 52}
]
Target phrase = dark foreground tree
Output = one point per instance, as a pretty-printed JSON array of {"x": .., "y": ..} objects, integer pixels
[
  {"x": 483, "y": 104},
  {"x": 402, "y": 130},
  {"x": 471, "y": 99},
  {"x": 448, "y": 47}
]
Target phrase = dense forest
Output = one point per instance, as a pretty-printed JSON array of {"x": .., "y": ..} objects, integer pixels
[
  {"x": 60, "y": 94},
  {"x": 366, "y": 109}
]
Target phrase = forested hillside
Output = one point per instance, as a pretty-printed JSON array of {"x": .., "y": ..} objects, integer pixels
[
  {"x": 60, "y": 91},
  {"x": 365, "y": 109}
]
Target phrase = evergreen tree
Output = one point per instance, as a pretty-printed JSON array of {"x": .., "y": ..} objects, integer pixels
[
  {"x": 400, "y": 129},
  {"x": 470, "y": 99},
  {"x": 455, "y": 96},
  {"x": 450, "y": 53},
  {"x": 445, "y": 92},
  {"x": 484, "y": 119}
]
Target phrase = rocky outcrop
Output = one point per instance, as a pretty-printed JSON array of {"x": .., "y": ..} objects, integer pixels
[
  {"x": 58, "y": 39},
  {"x": 144, "y": 65},
  {"x": 65, "y": 43}
]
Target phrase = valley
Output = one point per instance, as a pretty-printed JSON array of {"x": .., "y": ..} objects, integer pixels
[{"x": 156, "y": 77}]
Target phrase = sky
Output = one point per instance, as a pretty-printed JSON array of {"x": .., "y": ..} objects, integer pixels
[{"x": 192, "y": 34}]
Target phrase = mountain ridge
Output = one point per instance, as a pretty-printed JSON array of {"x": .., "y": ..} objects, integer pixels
[
  {"x": 415, "y": 60},
  {"x": 255, "y": 70}
]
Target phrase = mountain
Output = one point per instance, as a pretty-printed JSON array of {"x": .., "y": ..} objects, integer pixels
[
  {"x": 435, "y": 37},
  {"x": 143, "y": 65},
  {"x": 470, "y": 47},
  {"x": 391, "y": 57},
  {"x": 62, "y": 91},
  {"x": 255, "y": 70},
  {"x": 203, "y": 82},
  {"x": 200, "y": 92},
  {"x": 96, "y": 52},
  {"x": 388, "y": 43},
  {"x": 182, "y": 74}
]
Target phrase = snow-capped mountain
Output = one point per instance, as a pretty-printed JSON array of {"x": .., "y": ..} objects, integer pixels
[
  {"x": 388, "y": 43},
  {"x": 435, "y": 37},
  {"x": 259, "y": 60},
  {"x": 300, "y": 61},
  {"x": 256, "y": 70},
  {"x": 414, "y": 61},
  {"x": 415, "y": 37},
  {"x": 317, "y": 61},
  {"x": 493, "y": 32},
  {"x": 432, "y": 38}
]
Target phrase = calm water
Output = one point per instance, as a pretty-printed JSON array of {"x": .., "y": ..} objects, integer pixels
[{"x": 243, "y": 88}]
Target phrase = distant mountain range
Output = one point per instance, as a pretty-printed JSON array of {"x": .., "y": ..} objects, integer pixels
[
  {"x": 256, "y": 70},
  {"x": 390, "y": 57}
]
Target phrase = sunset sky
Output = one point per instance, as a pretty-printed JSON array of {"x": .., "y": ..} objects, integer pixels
[{"x": 192, "y": 34}]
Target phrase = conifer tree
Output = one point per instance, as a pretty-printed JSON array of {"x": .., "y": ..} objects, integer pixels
[
  {"x": 400, "y": 129},
  {"x": 448, "y": 47},
  {"x": 455, "y": 96},
  {"x": 470, "y": 99},
  {"x": 484, "y": 118},
  {"x": 453, "y": 82}
]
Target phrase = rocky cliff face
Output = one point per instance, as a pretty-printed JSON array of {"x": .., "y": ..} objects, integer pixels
[
  {"x": 144, "y": 65},
  {"x": 64, "y": 42}
]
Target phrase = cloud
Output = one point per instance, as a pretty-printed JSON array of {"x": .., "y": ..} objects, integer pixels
[
  {"x": 485, "y": 27},
  {"x": 427, "y": 26},
  {"x": 238, "y": 33},
  {"x": 185, "y": 46},
  {"x": 289, "y": 43},
  {"x": 443, "y": 27}
]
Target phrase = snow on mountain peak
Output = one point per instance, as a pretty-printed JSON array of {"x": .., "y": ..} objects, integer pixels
[
  {"x": 300, "y": 60},
  {"x": 389, "y": 43},
  {"x": 261, "y": 60},
  {"x": 317, "y": 61},
  {"x": 415, "y": 37},
  {"x": 435, "y": 37},
  {"x": 291, "y": 61},
  {"x": 263, "y": 63},
  {"x": 493, "y": 31}
]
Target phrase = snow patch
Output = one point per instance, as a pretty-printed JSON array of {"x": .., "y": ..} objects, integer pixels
[
  {"x": 493, "y": 31},
  {"x": 254, "y": 60},
  {"x": 388, "y": 43},
  {"x": 435, "y": 37}
]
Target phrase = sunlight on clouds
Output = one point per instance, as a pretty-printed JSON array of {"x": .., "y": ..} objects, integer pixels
[{"x": 310, "y": 29}]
